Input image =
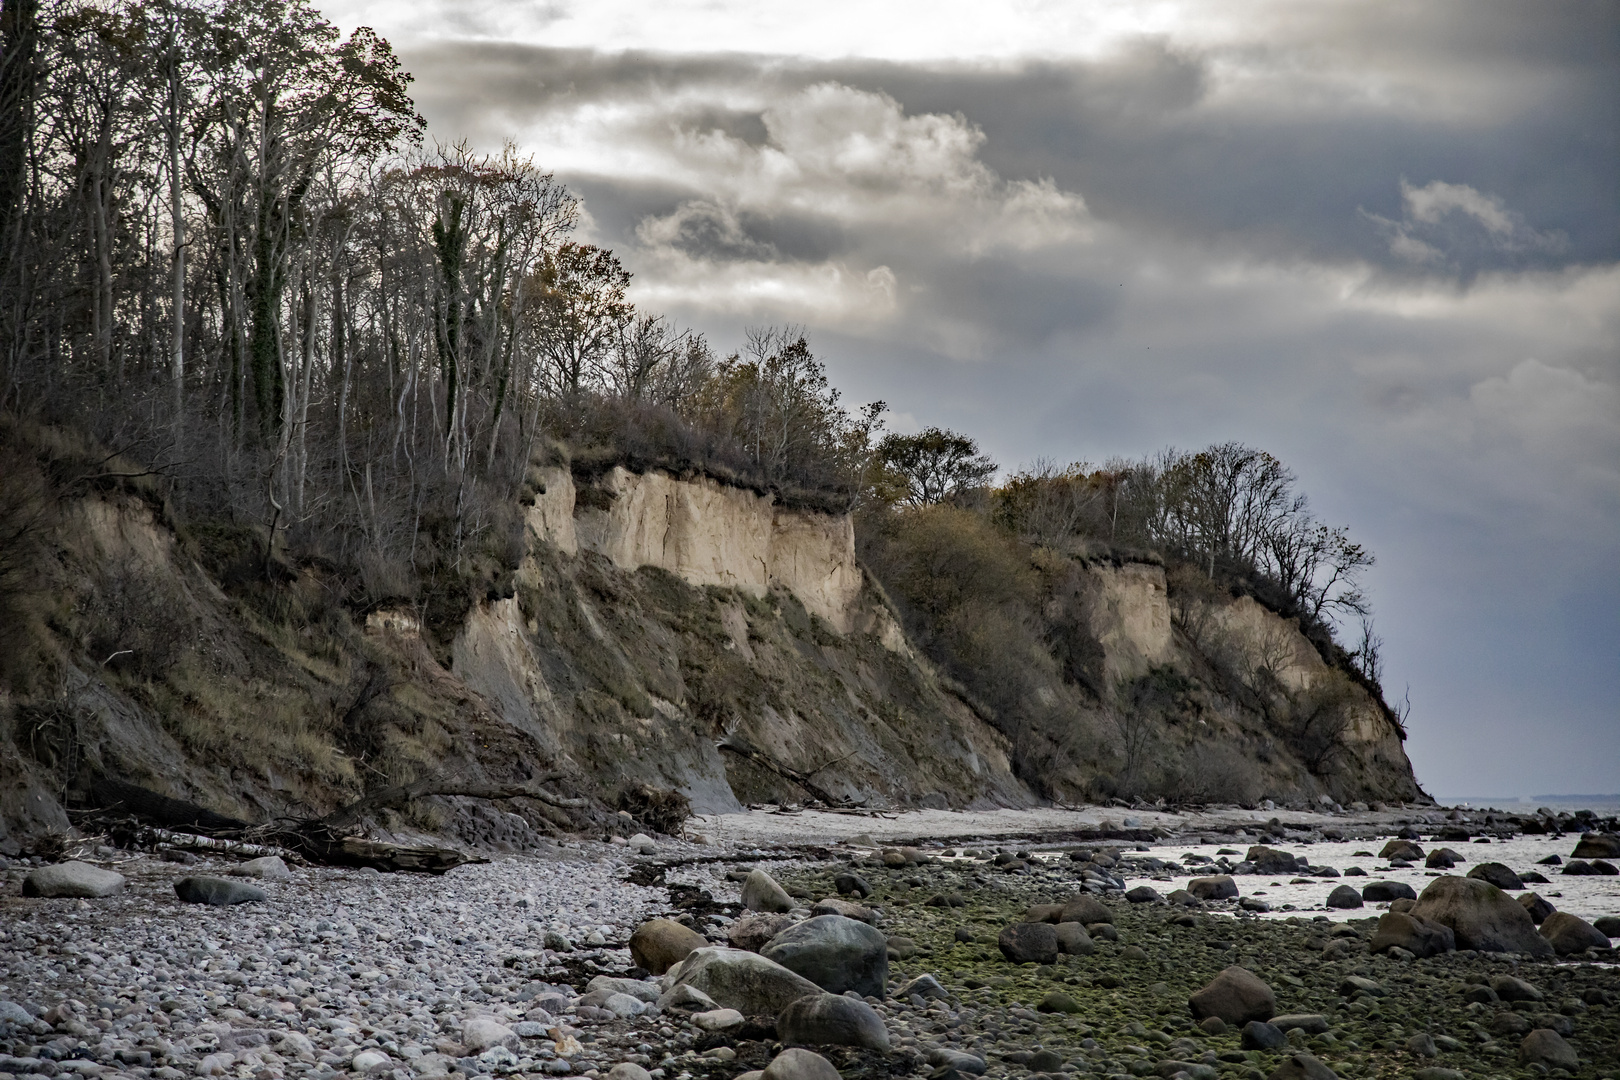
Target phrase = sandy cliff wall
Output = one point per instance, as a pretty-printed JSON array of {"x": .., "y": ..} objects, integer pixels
[{"x": 707, "y": 534}]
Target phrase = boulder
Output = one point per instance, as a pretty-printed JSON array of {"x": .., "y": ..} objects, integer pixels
[
  {"x": 835, "y": 953},
  {"x": 831, "y": 1020},
  {"x": 1481, "y": 916},
  {"x": 1609, "y": 924},
  {"x": 1086, "y": 910},
  {"x": 1024, "y": 943},
  {"x": 760, "y": 892},
  {"x": 1545, "y": 1046},
  {"x": 745, "y": 981},
  {"x": 1309, "y": 1023},
  {"x": 1057, "y": 1002},
  {"x": 1538, "y": 908},
  {"x": 1144, "y": 894},
  {"x": 640, "y": 989},
  {"x": 1302, "y": 1067},
  {"x": 1237, "y": 996},
  {"x": 754, "y": 932},
  {"x": 687, "y": 999},
  {"x": 1578, "y": 868},
  {"x": 1496, "y": 874},
  {"x": 1259, "y": 1035},
  {"x": 1052, "y": 913},
  {"x": 268, "y": 868},
  {"x": 847, "y": 908},
  {"x": 660, "y": 944},
  {"x": 1270, "y": 860},
  {"x": 642, "y": 844},
  {"x": 72, "y": 879},
  {"x": 1383, "y": 892},
  {"x": 1571, "y": 934},
  {"x": 1216, "y": 887},
  {"x": 1073, "y": 940},
  {"x": 797, "y": 1064},
  {"x": 959, "y": 1060},
  {"x": 720, "y": 1019},
  {"x": 217, "y": 891},
  {"x": 1597, "y": 846},
  {"x": 625, "y": 1070},
  {"x": 1442, "y": 859},
  {"x": 1344, "y": 896},
  {"x": 852, "y": 885}
]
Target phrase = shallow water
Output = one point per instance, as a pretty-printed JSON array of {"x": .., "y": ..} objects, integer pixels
[{"x": 1588, "y": 897}]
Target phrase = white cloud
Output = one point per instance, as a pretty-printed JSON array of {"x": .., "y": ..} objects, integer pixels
[
  {"x": 1457, "y": 226},
  {"x": 1434, "y": 200}
]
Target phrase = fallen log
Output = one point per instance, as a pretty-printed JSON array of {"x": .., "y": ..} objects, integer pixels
[{"x": 736, "y": 744}]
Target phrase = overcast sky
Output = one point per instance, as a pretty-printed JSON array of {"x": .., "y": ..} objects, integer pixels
[{"x": 1381, "y": 240}]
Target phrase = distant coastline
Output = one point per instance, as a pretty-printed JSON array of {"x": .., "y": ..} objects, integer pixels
[{"x": 1603, "y": 804}]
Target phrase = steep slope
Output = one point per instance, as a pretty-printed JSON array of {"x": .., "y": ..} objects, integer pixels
[{"x": 653, "y": 631}]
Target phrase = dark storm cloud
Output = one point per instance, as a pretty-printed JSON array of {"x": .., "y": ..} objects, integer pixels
[{"x": 1379, "y": 239}]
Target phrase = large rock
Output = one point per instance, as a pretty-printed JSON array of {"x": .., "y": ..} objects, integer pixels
[
  {"x": 1609, "y": 924},
  {"x": 1073, "y": 939},
  {"x": 1497, "y": 874},
  {"x": 832, "y": 1020},
  {"x": 72, "y": 879},
  {"x": 1216, "y": 887},
  {"x": 1442, "y": 859},
  {"x": 852, "y": 885},
  {"x": 640, "y": 989},
  {"x": 660, "y": 944},
  {"x": 1384, "y": 892},
  {"x": 835, "y": 953},
  {"x": 1481, "y": 916},
  {"x": 1024, "y": 943},
  {"x": 1344, "y": 896},
  {"x": 745, "y": 981},
  {"x": 1085, "y": 910},
  {"x": 1269, "y": 860},
  {"x": 217, "y": 891},
  {"x": 1545, "y": 1046},
  {"x": 1405, "y": 850},
  {"x": 1597, "y": 846},
  {"x": 754, "y": 932},
  {"x": 797, "y": 1064},
  {"x": 1571, "y": 934},
  {"x": 760, "y": 892},
  {"x": 1237, "y": 996}
]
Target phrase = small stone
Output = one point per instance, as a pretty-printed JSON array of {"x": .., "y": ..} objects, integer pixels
[
  {"x": 1422, "y": 1045},
  {"x": 852, "y": 885},
  {"x": 642, "y": 844},
  {"x": 1259, "y": 1035},
  {"x": 924, "y": 986},
  {"x": 628, "y": 1070},
  {"x": 1057, "y": 1002},
  {"x": 760, "y": 892},
  {"x": 366, "y": 1060},
  {"x": 482, "y": 1032},
  {"x": 1213, "y": 1025},
  {"x": 718, "y": 1019},
  {"x": 1355, "y": 984},
  {"x": 959, "y": 1060},
  {"x": 847, "y": 908},
  {"x": 268, "y": 868},
  {"x": 72, "y": 879},
  {"x": 219, "y": 892},
  {"x": 1302, "y": 1067},
  {"x": 1309, "y": 1023},
  {"x": 1511, "y": 988},
  {"x": 1345, "y": 896},
  {"x": 1023, "y": 943}
]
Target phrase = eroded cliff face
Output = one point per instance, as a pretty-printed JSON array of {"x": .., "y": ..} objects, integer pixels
[
  {"x": 706, "y": 534},
  {"x": 672, "y": 633}
]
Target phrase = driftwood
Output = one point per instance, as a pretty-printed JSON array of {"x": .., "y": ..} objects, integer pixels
[
  {"x": 736, "y": 744},
  {"x": 329, "y": 840}
]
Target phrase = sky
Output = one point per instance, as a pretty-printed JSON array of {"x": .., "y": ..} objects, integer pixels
[{"x": 1378, "y": 239}]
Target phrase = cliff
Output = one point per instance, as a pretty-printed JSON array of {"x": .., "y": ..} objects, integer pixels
[{"x": 658, "y": 632}]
